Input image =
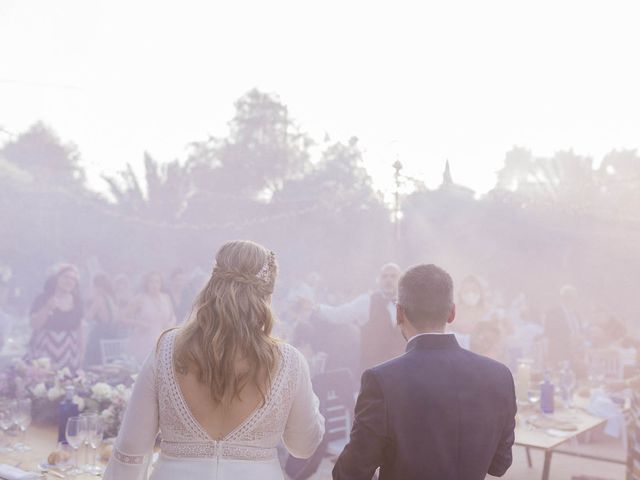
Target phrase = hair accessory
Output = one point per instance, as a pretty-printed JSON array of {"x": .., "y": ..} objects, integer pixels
[{"x": 266, "y": 271}]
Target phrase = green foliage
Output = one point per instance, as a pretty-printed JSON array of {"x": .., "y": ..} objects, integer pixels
[
  {"x": 40, "y": 152},
  {"x": 547, "y": 221}
]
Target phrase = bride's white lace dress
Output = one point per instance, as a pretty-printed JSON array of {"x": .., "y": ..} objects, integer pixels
[{"x": 290, "y": 413}]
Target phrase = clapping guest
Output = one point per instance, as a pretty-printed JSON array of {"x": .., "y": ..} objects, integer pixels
[
  {"x": 380, "y": 339},
  {"x": 151, "y": 313},
  {"x": 56, "y": 319}
]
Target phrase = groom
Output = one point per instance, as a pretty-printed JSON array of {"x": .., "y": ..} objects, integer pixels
[{"x": 438, "y": 412}]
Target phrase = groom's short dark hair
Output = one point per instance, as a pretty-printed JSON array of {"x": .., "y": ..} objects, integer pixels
[{"x": 425, "y": 293}]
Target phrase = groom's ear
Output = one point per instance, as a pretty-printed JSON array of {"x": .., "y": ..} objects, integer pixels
[
  {"x": 452, "y": 314},
  {"x": 400, "y": 318}
]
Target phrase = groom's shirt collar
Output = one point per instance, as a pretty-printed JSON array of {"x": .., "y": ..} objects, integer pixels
[
  {"x": 429, "y": 333},
  {"x": 432, "y": 340}
]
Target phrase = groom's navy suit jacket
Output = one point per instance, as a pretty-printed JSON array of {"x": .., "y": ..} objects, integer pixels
[{"x": 438, "y": 412}]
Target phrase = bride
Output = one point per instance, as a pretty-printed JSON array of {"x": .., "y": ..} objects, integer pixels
[{"x": 221, "y": 391}]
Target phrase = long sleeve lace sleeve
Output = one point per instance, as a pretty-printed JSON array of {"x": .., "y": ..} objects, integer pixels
[
  {"x": 305, "y": 425},
  {"x": 134, "y": 446}
]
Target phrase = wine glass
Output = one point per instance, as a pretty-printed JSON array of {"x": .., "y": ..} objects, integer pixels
[
  {"x": 22, "y": 419},
  {"x": 89, "y": 427},
  {"x": 6, "y": 422},
  {"x": 74, "y": 434},
  {"x": 567, "y": 385},
  {"x": 533, "y": 396},
  {"x": 95, "y": 440}
]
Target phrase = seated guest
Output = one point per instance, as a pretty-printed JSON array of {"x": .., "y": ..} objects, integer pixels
[{"x": 632, "y": 385}]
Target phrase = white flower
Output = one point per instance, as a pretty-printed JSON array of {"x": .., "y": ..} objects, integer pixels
[
  {"x": 107, "y": 415},
  {"x": 79, "y": 401},
  {"x": 101, "y": 391},
  {"x": 55, "y": 393},
  {"x": 43, "y": 362},
  {"x": 40, "y": 391},
  {"x": 65, "y": 372}
]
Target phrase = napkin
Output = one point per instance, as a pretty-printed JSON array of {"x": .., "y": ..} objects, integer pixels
[{"x": 7, "y": 472}]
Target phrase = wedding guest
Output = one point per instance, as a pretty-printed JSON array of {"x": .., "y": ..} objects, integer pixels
[
  {"x": 6, "y": 312},
  {"x": 151, "y": 313},
  {"x": 374, "y": 313},
  {"x": 122, "y": 293},
  {"x": 471, "y": 308},
  {"x": 102, "y": 315},
  {"x": 564, "y": 329},
  {"x": 56, "y": 319},
  {"x": 632, "y": 385},
  {"x": 487, "y": 340},
  {"x": 179, "y": 292}
]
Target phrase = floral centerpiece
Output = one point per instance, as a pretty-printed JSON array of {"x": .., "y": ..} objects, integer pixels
[{"x": 106, "y": 394}]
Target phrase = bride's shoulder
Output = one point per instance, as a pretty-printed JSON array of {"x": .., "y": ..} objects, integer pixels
[
  {"x": 287, "y": 349},
  {"x": 291, "y": 355}
]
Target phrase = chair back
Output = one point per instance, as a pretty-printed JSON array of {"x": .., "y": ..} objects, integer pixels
[
  {"x": 335, "y": 389},
  {"x": 114, "y": 350},
  {"x": 605, "y": 363}
]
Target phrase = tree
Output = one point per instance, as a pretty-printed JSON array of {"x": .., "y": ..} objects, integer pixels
[
  {"x": 343, "y": 213},
  {"x": 264, "y": 148},
  {"x": 565, "y": 178},
  {"x": 619, "y": 176},
  {"x": 40, "y": 152},
  {"x": 163, "y": 196}
]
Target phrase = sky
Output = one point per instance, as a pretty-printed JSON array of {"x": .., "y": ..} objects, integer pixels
[{"x": 421, "y": 82}]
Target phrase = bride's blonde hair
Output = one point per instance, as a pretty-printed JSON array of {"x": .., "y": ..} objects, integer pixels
[{"x": 232, "y": 320}]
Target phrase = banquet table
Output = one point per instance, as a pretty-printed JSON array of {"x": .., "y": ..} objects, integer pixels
[
  {"x": 551, "y": 441},
  {"x": 43, "y": 441}
]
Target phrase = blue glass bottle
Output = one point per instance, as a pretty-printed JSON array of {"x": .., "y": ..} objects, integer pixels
[
  {"x": 547, "y": 394},
  {"x": 66, "y": 410}
]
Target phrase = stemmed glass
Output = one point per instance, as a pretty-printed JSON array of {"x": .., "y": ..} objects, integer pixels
[
  {"x": 90, "y": 426},
  {"x": 95, "y": 440},
  {"x": 6, "y": 422},
  {"x": 87, "y": 427},
  {"x": 567, "y": 383},
  {"x": 74, "y": 434},
  {"x": 22, "y": 419},
  {"x": 533, "y": 396}
]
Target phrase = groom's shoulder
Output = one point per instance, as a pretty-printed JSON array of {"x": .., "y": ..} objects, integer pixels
[{"x": 479, "y": 363}]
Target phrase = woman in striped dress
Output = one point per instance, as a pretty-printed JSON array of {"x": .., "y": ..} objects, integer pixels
[{"x": 56, "y": 320}]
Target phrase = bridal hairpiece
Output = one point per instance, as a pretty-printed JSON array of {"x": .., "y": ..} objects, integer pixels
[
  {"x": 265, "y": 274},
  {"x": 266, "y": 271}
]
